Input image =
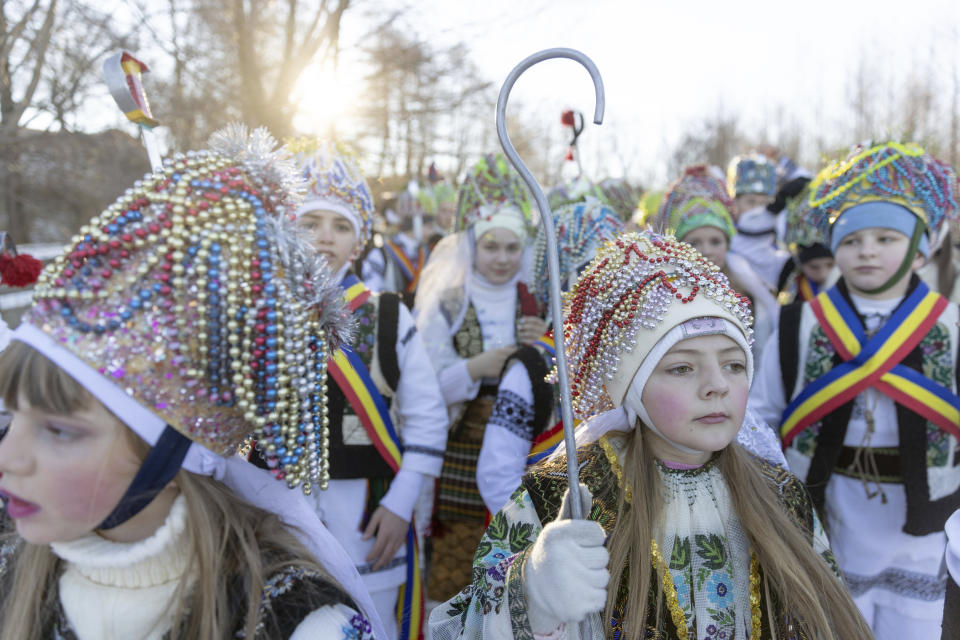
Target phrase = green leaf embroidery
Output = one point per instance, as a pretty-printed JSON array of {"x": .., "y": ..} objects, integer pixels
[
  {"x": 497, "y": 530},
  {"x": 520, "y": 534},
  {"x": 680, "y": 557},
  {"x": 702, "y": 574},
  {"x": 712, "y": 550}
]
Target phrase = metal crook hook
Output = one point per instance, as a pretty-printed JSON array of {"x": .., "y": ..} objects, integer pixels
[{"x": 553, "y": 262}]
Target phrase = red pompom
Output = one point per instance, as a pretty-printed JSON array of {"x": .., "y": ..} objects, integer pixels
[
  {"x": 19, "y": 271},
  {"x": 566, "y": 118},
  {"x": 569, "y": 156}
]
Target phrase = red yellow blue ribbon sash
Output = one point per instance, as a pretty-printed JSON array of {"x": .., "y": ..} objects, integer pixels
[
  {"x": 545, "y": 443},
  {"x": 874, "y": 362},
  {"x": 410, "y": 272},
  {"x": 806, "y": 290},
  {"x": 351, "y": 375}
]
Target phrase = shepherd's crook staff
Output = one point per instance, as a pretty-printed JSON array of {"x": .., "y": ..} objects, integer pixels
[
  {"x": 553, "y": 261},
  {"x": 590, "y": 626},
  {"x": 123, "y": 72}
]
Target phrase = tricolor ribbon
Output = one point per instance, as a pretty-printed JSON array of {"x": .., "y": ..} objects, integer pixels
[
  {"x": 806, "y": 290},
  {"x": 352, "y": 376},
  {"x": 874, "y": 362},
  {"x": 410, "y": 272}
]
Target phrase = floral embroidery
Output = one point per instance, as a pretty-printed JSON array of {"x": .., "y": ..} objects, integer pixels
[
  {"x": 358, "y": 628},
  {"x": 820, "y": 355},
  {"x": 938, "y": 366}
]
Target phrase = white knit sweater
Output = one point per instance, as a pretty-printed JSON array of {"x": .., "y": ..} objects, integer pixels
[{"x": 111, "y": 590}]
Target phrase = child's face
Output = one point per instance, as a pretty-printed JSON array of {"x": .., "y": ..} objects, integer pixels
[
  {"x": 710, "y": 242},
  {"x": 870, "y": 257},
  {"x": 332, "y": 235},
  {"x": 499, "y": 253},
  {"x": 818, "y": 269},
  {"x": 62, "y": 475},
  {"x": 747, "y": 201},
  {"x": 697, "y": 397}
]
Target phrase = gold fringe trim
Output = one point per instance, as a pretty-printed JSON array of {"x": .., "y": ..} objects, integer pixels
[
  {"x": 669, "y": 590},
  {"x": 615, "y": 465},
  {"x": 756, "y": 628}
]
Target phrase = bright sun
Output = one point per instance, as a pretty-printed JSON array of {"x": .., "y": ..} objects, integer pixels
[{"x": 323, "y": 98}]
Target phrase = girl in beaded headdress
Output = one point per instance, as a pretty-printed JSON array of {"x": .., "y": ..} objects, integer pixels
[
  {"x": 387, "y": 419},
  {"x": 524, "y": 426},
  {"x": 473, "y": 308},
  {"x": 861, "y": 382},
  {"x": 697, "y": 210},
  {"x": 687, "y": 534},
  {"x": 184, "y": 319}
]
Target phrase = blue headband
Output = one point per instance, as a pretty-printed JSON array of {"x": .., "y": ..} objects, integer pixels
[{"x": 879, "y": 213}]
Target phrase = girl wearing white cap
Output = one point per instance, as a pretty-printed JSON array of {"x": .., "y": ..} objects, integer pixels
[{"x": 689, "y": 533}]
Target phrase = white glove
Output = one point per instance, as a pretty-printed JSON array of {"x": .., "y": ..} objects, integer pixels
[{"x": 566, "y": 575}]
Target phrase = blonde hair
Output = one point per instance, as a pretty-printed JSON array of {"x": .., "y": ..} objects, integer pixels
[
  {"x": 797, "y": 576},
  {"x": 235, "y": 546}
]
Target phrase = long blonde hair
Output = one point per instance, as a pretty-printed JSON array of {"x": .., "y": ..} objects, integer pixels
[
  {"x": 797, "y": 575},
  {"x": 235, "y": 546}
]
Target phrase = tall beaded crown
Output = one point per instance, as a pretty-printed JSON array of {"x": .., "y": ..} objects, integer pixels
[
  {"x": 490, "y": 185},
  {"x": 581, "y": 228},
  {"x": 636, "y": 289},
  {"x": 333, "y": 173},
  {"x": 890, "y": 171},
  {"x": 193, "y": 294},
  {"x": 697, "y": 198},
  {"x": 752, "y": 173}
]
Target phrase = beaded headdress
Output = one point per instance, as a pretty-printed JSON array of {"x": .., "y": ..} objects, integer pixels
[
  {"x": 698, "y": 198},
  {"x": 193, "y": 294},
  {"x": 637, "y": 288},
  {"x": 572, "y": 191},
  {"x": 333, "y": 174},
  {"x": 900, "y": 173},
  {"x": 622, "y": 197},
  {"x": 490, "y": 185},
  {"x": 581, "y": 228},
  {"x": 752, "y": 173}
]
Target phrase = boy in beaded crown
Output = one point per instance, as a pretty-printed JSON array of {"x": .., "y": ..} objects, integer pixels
[
  {"x": 388, "y": 421},
  {"x": 862, "y": 382}
]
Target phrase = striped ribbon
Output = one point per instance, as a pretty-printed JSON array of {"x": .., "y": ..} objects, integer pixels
[
  {"x": 874, "y": 362},
  {"x": 410, "y": 272},
  {"x": 351, "y": 375}
]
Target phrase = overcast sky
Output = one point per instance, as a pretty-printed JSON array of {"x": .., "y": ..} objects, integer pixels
[{"x": 668, "y": 64}]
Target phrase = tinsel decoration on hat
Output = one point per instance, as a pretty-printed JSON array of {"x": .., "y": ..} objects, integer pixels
[
  {"x": 581, "y": 228},
  {"x": 333, "y": 173},
  {"x": 490, "y": 185},
  {"x": 902, "y": 173},
  {"x": 193, "y": 293},
  {"x": 629, "y": 288},
  {"x": 697, "y": 198}
]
